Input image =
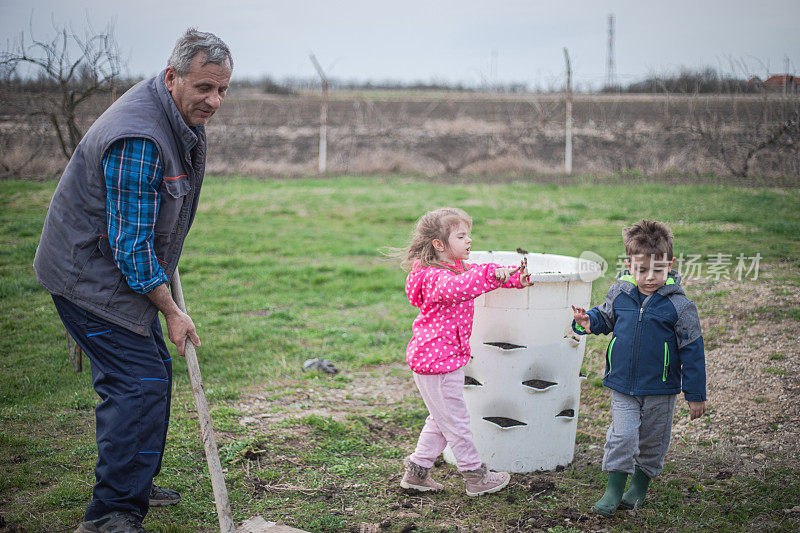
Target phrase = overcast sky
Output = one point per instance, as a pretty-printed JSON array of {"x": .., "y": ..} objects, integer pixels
[{"x": 468, "y": 41}]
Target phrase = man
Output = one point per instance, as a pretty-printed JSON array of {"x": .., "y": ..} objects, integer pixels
[{"x": 110, "y": 244}]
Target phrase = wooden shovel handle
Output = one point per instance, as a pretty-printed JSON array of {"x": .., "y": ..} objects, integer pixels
[{"x": 206, "y": 429}]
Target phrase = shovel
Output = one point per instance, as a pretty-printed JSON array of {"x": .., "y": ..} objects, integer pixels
[{"x": 256, "y": 524}]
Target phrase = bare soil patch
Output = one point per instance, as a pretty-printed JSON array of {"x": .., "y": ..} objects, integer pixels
[
  {"x": 368, "y": 391},
  {"x": 753, "y": 362}
]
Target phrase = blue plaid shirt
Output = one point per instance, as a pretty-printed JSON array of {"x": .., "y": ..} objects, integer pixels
[{"x": 133, "y": 175}]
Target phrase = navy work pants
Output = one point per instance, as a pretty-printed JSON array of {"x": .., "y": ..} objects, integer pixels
[{"x": 133, "y": 376}]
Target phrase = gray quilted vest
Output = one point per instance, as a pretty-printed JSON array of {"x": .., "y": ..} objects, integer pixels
[{"x": 74, "y": 258}]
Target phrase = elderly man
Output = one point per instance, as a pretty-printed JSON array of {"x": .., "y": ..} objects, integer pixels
[{"x": 110, "y": 244}]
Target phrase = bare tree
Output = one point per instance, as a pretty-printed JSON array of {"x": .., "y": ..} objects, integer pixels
[
  {"x": 774, "y": 128},
  {"x": 467, "y": 151},
  {"x": 74, "y": 66}
]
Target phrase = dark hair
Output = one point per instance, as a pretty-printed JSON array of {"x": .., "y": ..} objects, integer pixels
[
  {"x": 193, "y": 42},
  {"x": 436, "y": 224},
  {"x": 648, "y": 237}
]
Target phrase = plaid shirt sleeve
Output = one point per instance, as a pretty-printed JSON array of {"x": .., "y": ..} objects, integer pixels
[{"x": 133, "y": 175}]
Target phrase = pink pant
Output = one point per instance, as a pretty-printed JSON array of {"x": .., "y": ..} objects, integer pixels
[{"x": 448, "y": 422}]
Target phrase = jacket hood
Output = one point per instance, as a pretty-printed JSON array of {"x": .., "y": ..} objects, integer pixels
[
  {"x": 414, "y": 283},
  {"x": 672, "y": 286}
]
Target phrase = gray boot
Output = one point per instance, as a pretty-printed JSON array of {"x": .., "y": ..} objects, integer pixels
[
  {"x": 484, "y": 481},
  {"x": 418, "y": 478}
]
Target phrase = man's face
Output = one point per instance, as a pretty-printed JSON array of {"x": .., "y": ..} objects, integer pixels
[
  {"x": 649, "y": 271},
  {"x": 199, "y": 93}
]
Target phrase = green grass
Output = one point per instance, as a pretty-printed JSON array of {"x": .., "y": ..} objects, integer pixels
[{"x": 275, "y": 272}]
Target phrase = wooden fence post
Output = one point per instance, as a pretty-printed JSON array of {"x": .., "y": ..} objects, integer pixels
[
  {"x": 568, "y": 146},
  {"x": 323, "y": 117}
]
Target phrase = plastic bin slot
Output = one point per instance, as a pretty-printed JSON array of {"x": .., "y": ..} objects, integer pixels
[
  {"x": 539, "y": 385},
  {"x": 504, "y": 422},
  {"x": 469, "y": 380},
  {"x": 505, "y": 345},
  {"x": 566, "y": 414}
]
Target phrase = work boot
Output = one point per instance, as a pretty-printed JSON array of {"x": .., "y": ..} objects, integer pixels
[
  {"x": 160, "y": 497},
  {"x": 418, "y": 478},
  {"x": 484, "y": 481},
  {"x": 607, "y": 505},
  {"x": 634, "y": 496},
  {"x": 115, "y": 522}
]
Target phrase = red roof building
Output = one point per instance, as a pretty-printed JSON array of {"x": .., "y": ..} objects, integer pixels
[{"x": 782, "y": 83}]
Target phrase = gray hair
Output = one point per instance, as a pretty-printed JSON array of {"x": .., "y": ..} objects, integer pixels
[{"x": 193, "y": 42}]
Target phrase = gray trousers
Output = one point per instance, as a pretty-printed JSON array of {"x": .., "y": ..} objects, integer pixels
[{"x": 639, "y": 433}]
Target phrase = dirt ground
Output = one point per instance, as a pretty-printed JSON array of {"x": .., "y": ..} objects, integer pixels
[
  {"x": 753, "y": 362},
  {"x": 753, "y": 370}
]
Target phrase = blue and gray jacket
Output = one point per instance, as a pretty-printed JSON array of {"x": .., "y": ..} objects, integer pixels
[{"x": 655, "y": 347}]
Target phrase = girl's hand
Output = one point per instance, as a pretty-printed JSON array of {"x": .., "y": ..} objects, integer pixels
[
  {"x": 524, "y": 275},
  {"x": 502, "y": 274},
  {"x": 581, "y": 318}
]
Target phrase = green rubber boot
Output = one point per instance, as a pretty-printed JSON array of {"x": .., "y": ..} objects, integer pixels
[
  {"x": 634, "y": 496},
  {"x": 607, "y": 505}
]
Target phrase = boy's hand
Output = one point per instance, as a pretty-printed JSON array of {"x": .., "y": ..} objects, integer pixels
[
  {"x": 502, "y": 274},
  {"x": 696, "y": 409},
  {"x": 582, "y": 319}
]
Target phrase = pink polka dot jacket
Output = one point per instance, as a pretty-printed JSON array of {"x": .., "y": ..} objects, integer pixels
[{"x": 441, "y": 331}]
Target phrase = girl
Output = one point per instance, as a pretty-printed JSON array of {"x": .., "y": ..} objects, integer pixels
[{"x": 443, "y": 286}]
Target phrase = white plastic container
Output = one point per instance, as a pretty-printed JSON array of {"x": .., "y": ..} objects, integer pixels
[{"x": 522, "y": 385}]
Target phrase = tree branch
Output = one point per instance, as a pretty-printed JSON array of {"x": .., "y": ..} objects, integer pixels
[{"x": 95, "y": 69}]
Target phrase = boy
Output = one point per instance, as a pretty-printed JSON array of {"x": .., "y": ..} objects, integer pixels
[{"x": 656, "y": 350}]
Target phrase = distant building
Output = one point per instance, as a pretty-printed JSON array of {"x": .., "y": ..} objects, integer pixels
[{"x": 782, "y": 83}]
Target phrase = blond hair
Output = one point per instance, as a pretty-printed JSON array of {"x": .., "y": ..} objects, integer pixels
[
  {"x": 437, "y": 224},
  {"x": 648, "y": 237}
]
